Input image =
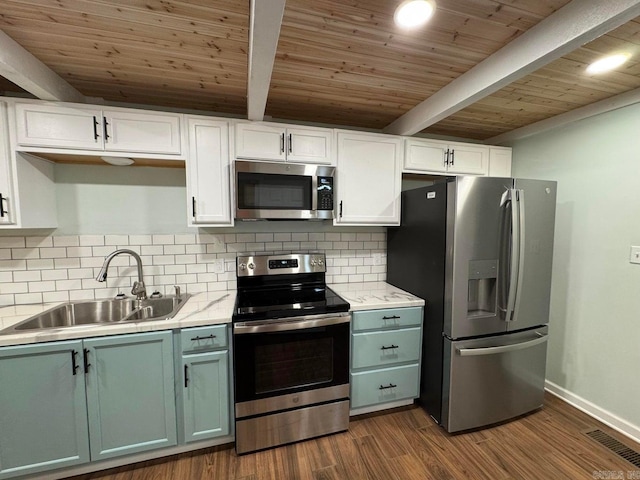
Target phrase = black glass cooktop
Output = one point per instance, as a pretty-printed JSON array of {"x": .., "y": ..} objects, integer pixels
[{"x": 292, "y": 301}]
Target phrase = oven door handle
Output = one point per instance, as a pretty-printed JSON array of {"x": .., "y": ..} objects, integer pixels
[{"x": 292, "y": 323}]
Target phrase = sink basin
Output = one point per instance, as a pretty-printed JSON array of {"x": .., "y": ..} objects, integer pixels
[{"x": 103, "y": 312}]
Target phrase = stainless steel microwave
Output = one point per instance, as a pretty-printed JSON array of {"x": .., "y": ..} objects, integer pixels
[{"x": 283, "y": 191}]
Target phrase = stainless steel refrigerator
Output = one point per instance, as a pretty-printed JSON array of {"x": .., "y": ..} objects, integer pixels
[{"x": 479, "y": 251}]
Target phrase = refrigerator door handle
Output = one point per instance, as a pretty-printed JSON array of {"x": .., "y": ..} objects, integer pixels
[
  {"x": 515, "y": 254},
  {"x": 472, "y": 352},
  {"x": 521, "y": 252}
]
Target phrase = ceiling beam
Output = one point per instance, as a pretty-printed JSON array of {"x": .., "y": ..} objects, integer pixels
[
  {"x": 575, "y": 24},
  {"x": 22, "y": 68},
  {"x": 613, "y": 103},
  {"x": 266, "y": 19}
]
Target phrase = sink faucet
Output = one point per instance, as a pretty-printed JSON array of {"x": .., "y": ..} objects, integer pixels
[{"x": 138, "y": 289}]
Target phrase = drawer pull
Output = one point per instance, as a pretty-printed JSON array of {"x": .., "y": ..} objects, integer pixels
[
  {"x": 391, "y": 385},
  {"x": 392, "y": 317},
  {"x": 198, "y": 338},
  {"x": 389, "y": 347}
]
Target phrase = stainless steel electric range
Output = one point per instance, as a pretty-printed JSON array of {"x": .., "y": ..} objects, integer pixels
[{"x": 291, "y": 352}]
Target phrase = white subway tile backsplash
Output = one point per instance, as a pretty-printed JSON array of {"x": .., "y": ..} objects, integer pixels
[
  {"x": 66, "y": 241},
  {"x": 62, "y": 268},
  {"x": 14, "y": 287},
  {"x": 12, "y": 242}
]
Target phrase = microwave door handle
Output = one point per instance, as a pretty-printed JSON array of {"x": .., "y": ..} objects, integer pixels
[{"x": 314, "y": 196}]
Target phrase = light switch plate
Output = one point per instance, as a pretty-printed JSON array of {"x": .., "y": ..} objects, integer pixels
[{"x": 634, "y": 256}]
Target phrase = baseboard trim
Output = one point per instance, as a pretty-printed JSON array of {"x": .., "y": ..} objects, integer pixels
[{"x": 618, "y": 424}]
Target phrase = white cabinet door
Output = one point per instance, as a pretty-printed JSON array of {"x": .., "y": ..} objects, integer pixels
[
  {"x": 309, "y": 145},
  {"x": 425, "y": 155},
  {"x": 499, "y": 161},
  {"x": 138, "y": 132},
  {"x": 257, "y": 141},
  {"x": 208, "y": 172},
  {"x": 7, "y": 211},
  {"x": 369, "y": 179},
  {"x": 56, "y": 126},
  {"x": 470, "y": 159}
]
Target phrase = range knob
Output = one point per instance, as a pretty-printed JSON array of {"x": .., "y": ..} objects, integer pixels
[
  {"x": 313, "y": 263},
  {"x": 320, "y": 262},
  {"x": 251, "y": 266},
  {"x": 242, "y": 266}
]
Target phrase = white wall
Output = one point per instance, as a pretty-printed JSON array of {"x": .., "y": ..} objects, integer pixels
[{"x": 594, "y": 349}]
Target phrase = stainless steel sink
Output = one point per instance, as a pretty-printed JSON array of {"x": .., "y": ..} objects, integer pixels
[{"x": 103, "y": 312}]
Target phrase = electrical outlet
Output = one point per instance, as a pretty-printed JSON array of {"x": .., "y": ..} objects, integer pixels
[
  {"x": 218, "y": 265},
  {"x": 634, "y": 256}
]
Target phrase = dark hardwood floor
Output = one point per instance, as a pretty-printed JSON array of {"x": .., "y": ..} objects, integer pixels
[{"x": 406, "y": 444}]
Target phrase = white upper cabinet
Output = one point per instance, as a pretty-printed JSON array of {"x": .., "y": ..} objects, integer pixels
[
  {"x": 208, "y": 172},
  {"x": 369, "y": 179},
  {"x": 6, "y": 196},
  {"x": 283, "y": 143},
  {"x": 436, "y": 156},
  {"x": 499, "y": 161},
  {"x": 82, "y": 127}
]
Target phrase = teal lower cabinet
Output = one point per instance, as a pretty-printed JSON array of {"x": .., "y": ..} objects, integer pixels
[
  {"x": 43, "y": 409},
  {"x": 386, "y": 348},
  {"x": 115, "y": 394},
  {"x": 130, "y": 393},
  {"x": 204, "y": 383}
]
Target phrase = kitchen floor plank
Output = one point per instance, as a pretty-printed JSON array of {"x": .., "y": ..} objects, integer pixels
[{"x": 406, "y": 443}]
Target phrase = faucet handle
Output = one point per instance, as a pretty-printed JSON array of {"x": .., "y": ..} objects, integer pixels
[
  {"x": 139, "y": 290},
  {"x": 177, "y": 290}
]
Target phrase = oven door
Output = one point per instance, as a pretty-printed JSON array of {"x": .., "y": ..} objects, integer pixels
[
  {"x": 289, "y": 363},
  {"x": 283, "y": 191}
]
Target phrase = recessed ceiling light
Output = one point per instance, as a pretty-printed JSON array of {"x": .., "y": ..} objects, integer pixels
[
  {"x": 119, "y": 161},
  {"x": 414, "y": 13},
  {"x": 608, "y": 63}
]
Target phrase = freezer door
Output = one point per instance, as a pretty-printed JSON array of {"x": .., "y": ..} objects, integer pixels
[
  {"x": 537, "y": 205},
  {"x": 477, "y": 229},
  {"x": 492, "y": 379}
]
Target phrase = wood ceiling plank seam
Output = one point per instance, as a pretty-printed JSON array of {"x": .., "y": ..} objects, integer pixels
[
  {"x": 105, "y": 10},
  {"x": 26, "y": 29},
  {"x": 552, "y": 93},
  {"x": 545, "y": 83},
  {"x": 129, "y": 53},
  {"x": 403, "y": 97}
]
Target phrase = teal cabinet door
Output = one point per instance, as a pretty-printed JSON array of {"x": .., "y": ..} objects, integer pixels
[
  {"x": 130, "y": 393},
  {"x": 43, "y": 412},
  {"x": 205, "y": 395}
]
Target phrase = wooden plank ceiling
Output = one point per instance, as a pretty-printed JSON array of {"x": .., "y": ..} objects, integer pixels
[{"x": 338, "y": 62}]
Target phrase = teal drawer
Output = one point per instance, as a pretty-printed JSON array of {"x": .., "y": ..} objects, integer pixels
[
  {"x": 391, "y": 347},
  {"x": 387, "y": 318},
  {"x": 203, "y": 339},
  {"x": 384, "y": 385}
]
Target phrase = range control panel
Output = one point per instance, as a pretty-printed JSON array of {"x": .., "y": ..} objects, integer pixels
[{"x": 256, "y": 265}]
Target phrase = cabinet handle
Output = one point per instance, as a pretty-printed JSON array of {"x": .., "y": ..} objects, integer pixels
[
  {"x": 290, "y": 144},
  {"x": 186, "y": 376},
  {"x": 198, "y": 338},
  {"x": 74, "y": 364},
  {"x": 282, "y": 143},
  {"x": 452, "y": 156},
  {"x": 340, "y": 209},
  {"x": 391, "y": 385},
  {"x": 95, "y": 128},
  {"x": 104, "y": 127},
  {"x": 2, "y": 210},
  {"x": 86, "y": 360},
  {"x": 392, "y": 317},
  {"x": 193, "y": 207},
  {"x": 446, "y": 157},
  {"x": 388, "y": 348}
]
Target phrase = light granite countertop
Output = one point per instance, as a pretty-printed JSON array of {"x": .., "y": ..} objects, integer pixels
[
  {"x": 208, "y": 308},
  {"x": 375, "y": 295}
]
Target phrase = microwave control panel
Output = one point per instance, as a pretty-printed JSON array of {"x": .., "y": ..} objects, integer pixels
[{"x": 325, "y": 193}]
